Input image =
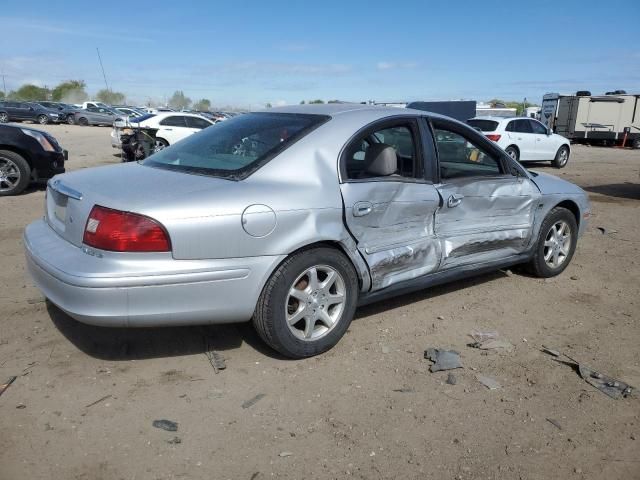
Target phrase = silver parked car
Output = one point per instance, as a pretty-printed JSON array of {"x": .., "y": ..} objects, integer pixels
[
  {"x": 93, "y": 115},
  {"x": 292, "y": 217}
]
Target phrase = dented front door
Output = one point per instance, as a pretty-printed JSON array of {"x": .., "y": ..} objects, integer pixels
[
  {"x": 393, "y": 224},
  {"x": 485, "y": 219}
]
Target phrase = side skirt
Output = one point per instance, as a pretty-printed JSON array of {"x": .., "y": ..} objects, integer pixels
[{"x": 434, "y": 279}]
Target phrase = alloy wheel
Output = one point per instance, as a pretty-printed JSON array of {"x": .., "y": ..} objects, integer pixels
[
  {"x": 4, "y": 118},
  {"x": 9, "y": 175},
  {"x": 557, "y": 244},
  {"x": 315, "y": 302},
  {"x": 564, "y": 157}
]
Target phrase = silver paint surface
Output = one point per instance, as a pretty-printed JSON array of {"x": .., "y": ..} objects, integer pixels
[{"x": 229, "y": 236}]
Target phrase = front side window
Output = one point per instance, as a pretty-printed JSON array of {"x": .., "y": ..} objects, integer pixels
[
  {"x": 537, "y": 127},
  {"x": 237, "y": 147},
  {"x": 460, "y": 157},
  {"x": 396, "y": 144}
]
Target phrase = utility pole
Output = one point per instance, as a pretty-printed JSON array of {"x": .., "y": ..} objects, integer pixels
[
  {"x": 102, "y": 67},
  {"x": 4, "y": 87}
]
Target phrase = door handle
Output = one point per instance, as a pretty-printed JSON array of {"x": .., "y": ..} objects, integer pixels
[
  {"x": 454, "y": 200},
  {"x": 360, "y": 209}
]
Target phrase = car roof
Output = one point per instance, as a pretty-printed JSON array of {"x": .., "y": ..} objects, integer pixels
[
  {"x": 345, "y": 109},
  {"x": 170, "y": 114}
]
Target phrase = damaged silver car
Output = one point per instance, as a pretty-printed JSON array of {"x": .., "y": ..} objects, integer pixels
[{"x": 293, "y": 217}]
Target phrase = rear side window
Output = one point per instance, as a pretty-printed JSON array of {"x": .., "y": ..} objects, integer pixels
[
  {"x": 237, "y": 147},
  {"x": 195, "y": 122},
  {"x": 174, "y": 121},
  {"x": 484, "y": 125},
  {"x": 520, "y": 126}
]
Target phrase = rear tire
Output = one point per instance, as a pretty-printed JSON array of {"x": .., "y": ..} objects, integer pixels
[
  {"x": 71, "y": 120},
  {"x": 562, "y": 157},
  {"x": 15, "y": 173},
  {"x": 635, "y": 145},
  {"x": 513, "y": 152},
  {"x": 43, "y": 119},
  {"x": 160, "y": 144},
  {"x": 4, "y": 118},
  {"x": 301, "y": 313},
  {"x": 555, "y": 247},
  {"x": 83, "y": 122}
]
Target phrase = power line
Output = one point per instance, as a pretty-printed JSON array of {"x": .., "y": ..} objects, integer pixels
[{"x": 102, "y": 67}]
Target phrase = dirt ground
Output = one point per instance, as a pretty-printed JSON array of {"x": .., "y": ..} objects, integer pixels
[{"x": 367, "y": 409}]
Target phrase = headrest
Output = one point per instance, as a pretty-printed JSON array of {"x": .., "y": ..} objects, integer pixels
[{"x": 381, "y": 159}]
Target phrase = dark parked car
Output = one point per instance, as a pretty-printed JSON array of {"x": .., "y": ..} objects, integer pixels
[
  {"x": 65, "y": 110},
  {"x": 27, "y": 155},
  {"x": 33, "y": 112}
]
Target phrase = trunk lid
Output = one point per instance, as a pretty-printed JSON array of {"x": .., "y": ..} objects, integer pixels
[{"x": 130, "y": 187}]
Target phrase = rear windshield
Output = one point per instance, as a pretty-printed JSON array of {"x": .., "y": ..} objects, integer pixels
[
  {"x": 237, "y": 147},
  {"x": 484, "y": 125}
]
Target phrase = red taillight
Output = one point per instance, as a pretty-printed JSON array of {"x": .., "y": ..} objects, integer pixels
[
  {"x": 493, "y": 136},
  {"x": 118, "y": 231}
]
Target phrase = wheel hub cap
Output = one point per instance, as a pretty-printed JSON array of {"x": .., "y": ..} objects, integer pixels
[
  {"x": 315, "y": 302},
  {"x": 557, "y": 244}
]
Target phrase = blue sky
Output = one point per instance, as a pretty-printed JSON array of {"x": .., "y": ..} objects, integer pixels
[{"x": 247, "y": 53}]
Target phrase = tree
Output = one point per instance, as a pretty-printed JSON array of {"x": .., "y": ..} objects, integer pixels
[
  {"x": 318, "y": 101},
  {"x": 109, "y": 97},
  {"x": 30, "y": 92},
  {"x": 302, "y": 102},
  {"x": 179, "y": 101},
  {"x": 71, "y": 91},
  {"x": 202, "y": 105}
]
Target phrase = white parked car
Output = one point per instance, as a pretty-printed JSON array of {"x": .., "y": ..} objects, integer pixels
[
  {"x": 172, "y": 127},
  {"x": 525, "y": 139}
]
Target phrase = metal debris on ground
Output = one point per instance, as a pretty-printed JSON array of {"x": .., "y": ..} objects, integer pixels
[
  {"x": 488, "y": 382},
  {"x": 608, "y": 385},
  {"x": 489, "y": 341},
  {"x": 404, "y": 390},
  {"x": 252, "y": 401},
  {"x": 443, "y": 359},
  {"x": 550, "y": 351},
  {"x": 555, "y": 423},
  {"x": 174, "y": 441},
  {"x": 451, "y": 379},
  {"x": 167, "y": 425},
  {"x": 6, "y": 385},
  {"x": 215, "y": 359},
  {"x": 98, "y": 401}
]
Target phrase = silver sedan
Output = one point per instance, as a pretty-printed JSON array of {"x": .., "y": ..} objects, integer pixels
[{"x": 293, "y": 217}]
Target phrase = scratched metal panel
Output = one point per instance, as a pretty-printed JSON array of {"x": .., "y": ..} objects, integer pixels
[
  {"x": 397, "y": 237},
  {"x": 494, "y": 219}
]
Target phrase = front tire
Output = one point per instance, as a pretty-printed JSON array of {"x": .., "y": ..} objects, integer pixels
[
  {"x": 562, "y": 157},
  {"x": 160, "y": 144},
  {"x": 83, "y": 122},
  {"x": 71, "y": 120},
  {"x": 15, "y": 173},
  {"x": 556, "y": 244},
  {"x": 308, "y": 303},
  {"x": 4, "y": 118},
  {"x": 43, "y": 119}
]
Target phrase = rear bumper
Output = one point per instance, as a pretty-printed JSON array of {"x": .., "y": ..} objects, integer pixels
[
  {"x": 123, "y": 291},
  {"x": 48, "y": 164}
]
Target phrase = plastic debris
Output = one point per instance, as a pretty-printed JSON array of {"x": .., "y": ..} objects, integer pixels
[
  {"x": 404, "y": 390},
  {"x": 489, "y": 341},
  {"x": 167, "y": 425},
  {"x": 550, "y": 351},
  {"x": 215, "y": 359},
  {"x": 608, "y": 385},
  {"x": 174, "y": 441},
  {"x": 6, "y": 385},
  {"x": 285, "y": 454},
  {"x": 488, "y": 382},
  {"x": 443, "y": 359},
  {"x": 451, "y": 379},
  {"x": 98, "y": 401},
  {"x": 252, "y": 401}
]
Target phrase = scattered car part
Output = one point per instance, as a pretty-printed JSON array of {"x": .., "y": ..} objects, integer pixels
[
  {"x": 252, "y": 401},
  {"x": 6, "y": 385},
  {"x": 167, "y": 425},
  {"x": 488, "y": 382},
  {"x": 442, "y": 359}
]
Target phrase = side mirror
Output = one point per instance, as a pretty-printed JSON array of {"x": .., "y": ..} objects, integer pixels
[{"x": 549, "y": 131}]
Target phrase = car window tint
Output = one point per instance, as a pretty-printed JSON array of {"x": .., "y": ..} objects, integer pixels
[
  {"x": 522, "y": 126},
  {"x": 400, "y": 138},
  {"x": 195, "y": 122},
  {"x": 236, "y": 147},
  {"x": 537, "y": 127},
  {"x": 173, "y": 121},
  {"x": 461, "y": 158}
]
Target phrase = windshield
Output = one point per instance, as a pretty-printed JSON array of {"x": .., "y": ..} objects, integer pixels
[
  {"x": 237, "y": 147},
  {"x": 483, "y": 125}
]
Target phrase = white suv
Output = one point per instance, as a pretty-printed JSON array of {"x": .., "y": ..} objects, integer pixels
[
  {"x": 525, "y": 139},
  {"x": 172, "y": 127}
]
